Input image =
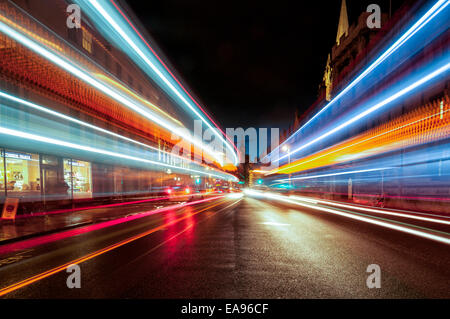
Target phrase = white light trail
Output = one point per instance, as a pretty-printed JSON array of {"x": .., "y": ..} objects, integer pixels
[
  {"x": 372, "y": 210},
  {"x": 81, "y": 74},
  {"x": 424, "y": 20},
  {"x": 390, "y": 225},
  {"x": 334, "y": 174},
  {"x": 373, "y": 108},
  {"x": 130, "y": 42},
  {"x": 71, "y": 119},
  {"x": 48, "y": 140}
]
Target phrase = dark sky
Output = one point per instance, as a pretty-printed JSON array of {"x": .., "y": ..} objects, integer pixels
[{"x": 251, "y": 63}]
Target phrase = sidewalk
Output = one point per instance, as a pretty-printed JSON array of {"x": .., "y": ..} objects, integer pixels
[{"x": 25, "y": 227}]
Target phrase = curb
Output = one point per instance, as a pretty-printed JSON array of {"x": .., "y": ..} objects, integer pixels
[{"x": 43, "y": 233}]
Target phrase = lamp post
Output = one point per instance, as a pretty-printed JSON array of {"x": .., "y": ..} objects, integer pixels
[{"x": 287, "y": 149}]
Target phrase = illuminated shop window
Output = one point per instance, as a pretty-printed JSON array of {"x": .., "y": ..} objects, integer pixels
[
  {"x": 22, "y": 173},
  {"x": 78, "y": 176}
]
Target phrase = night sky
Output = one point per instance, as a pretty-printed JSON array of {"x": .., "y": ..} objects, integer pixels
[{"x": 250, "y": 63}]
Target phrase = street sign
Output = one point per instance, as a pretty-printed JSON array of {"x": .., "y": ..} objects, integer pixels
[{"x": 10, "y": 208}]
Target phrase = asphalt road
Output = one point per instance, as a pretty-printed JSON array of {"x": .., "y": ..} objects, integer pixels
[{"x": 233, "y": 248}]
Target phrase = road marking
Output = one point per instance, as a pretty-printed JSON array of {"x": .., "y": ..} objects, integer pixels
[
  {"x": 181, "y": 232},
  {"x": 17, "y": 257}
]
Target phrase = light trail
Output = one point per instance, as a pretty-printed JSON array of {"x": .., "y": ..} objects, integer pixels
[
  {"x": 443, "y": 199},
  {"x": 173, "y": 76},
  {"x": 335, "y": 174},
  {"x": 70, "y": 210},
  {"x": 386, "y": 223},
  {"x": 38, "y": 241},
  {"x": 31, "y": 34},
  {"x": 100, "y": 9},
  {"x": 377, "y": 145},
  {"x": 130, "y": 92},
  {"x": 48, "y": 140},
  {"x": 376, "y": 211},
  {"x": 97, "y": 253},
  {"x": 73, "y": 120},
  {"x": 84, "y": 76},
  {"x": 96, "y": 128},
  {"x": 423, "y": 21},
  {"x": 369, "y": 110}
]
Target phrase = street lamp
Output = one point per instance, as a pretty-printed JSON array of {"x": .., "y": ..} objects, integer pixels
[{"x": 287, "y": 149}]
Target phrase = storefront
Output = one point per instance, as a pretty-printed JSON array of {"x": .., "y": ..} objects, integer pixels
[
  {"x": 78, "y": 177},
  {"x": 20, "y": 174},
  {"x": 43, "y": 177},
  {"x": 45, "y": 182},
  {"x": 53, "y": 185}
]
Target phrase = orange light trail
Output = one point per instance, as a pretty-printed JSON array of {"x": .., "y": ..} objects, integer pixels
[
  {"x": 126, "y": 90},
  {"x": 424, "y": 125},
  {"x": 31, "y": 34}
]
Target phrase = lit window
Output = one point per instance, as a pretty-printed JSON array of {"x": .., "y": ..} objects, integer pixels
[
  {"x": 22, "y": 173},
  {"x": 78, "y": 176},
  {"x": 87, "y": 41}
]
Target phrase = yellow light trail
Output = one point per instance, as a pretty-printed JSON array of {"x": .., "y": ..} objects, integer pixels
[{"x": 128, "y": 91}]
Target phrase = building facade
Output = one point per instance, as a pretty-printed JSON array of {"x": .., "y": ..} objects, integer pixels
[{"x": 75, "y": 112}]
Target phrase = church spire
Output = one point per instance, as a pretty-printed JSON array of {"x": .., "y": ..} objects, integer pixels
[{"x": 343, "y": 22}]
